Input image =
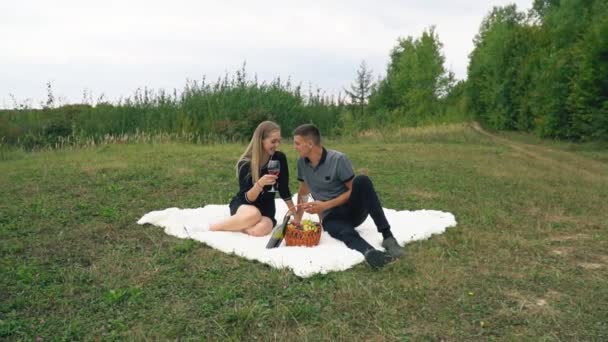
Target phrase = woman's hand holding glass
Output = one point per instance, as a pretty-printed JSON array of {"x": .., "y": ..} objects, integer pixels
[
  {"x": 267, "y": 180},
  {"x": 274, "y": 168}
]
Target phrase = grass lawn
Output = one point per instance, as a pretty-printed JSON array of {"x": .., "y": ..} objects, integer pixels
[{"x": 528, "y": 259}]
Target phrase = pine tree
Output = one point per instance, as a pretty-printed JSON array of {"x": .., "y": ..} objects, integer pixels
[{"x": 361, "y": 88}]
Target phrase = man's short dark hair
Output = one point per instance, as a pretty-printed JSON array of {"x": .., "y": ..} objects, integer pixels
[{"x": 309, "y": 131}]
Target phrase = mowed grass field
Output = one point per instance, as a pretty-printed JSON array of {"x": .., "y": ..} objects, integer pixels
[{"x": 528, "y": 259}]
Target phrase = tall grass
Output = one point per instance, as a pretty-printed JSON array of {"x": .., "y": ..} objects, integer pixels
[{"x": 227, "y": 109}]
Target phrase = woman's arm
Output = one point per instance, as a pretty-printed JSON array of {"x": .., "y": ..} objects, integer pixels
[
  {"x": 249, "y": 190},
  {"x": 290, "y": 206},
  {"x": 283, "y": 181}
]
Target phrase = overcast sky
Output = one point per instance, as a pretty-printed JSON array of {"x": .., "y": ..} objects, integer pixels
[{"x": 113, "y": 47}]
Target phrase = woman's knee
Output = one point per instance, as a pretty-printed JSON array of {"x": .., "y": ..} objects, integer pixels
[
  {"x": 256, "y": 231},
  {"x": 250, "y": 214},
  {"x": 264, "y": 227}
]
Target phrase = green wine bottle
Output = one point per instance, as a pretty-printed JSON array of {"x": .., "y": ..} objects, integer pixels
[{"x": 278, "y": 233}]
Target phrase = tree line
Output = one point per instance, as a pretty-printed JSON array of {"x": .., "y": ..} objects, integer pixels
[{"x": 545, "y": 71}]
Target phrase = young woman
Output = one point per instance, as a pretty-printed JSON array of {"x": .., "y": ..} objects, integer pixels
[{"x": 253, "y": 207}]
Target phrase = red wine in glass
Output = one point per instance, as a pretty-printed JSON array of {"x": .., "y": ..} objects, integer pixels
[{"x": 274, "y": 168}]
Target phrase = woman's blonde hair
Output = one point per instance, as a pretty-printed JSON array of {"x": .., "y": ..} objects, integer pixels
[{"x": 254, "y": 151}]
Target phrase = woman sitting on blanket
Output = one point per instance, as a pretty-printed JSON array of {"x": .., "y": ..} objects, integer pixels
[{"x": 253, "y": 207}]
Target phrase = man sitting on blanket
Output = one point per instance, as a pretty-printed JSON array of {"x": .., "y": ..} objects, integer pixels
[{"x": 342, "y": 200}]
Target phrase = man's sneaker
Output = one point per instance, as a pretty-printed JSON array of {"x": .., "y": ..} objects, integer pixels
[
  {"x": 392, "y": 247},
  {"x": 377, "y": 259}
]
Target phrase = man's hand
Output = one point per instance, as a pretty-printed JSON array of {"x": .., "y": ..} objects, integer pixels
[{"x": 315, "y": 207}]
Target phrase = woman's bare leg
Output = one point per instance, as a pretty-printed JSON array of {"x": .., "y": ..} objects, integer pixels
[
  {"x": 246, "y": 216},
  {"x": 264, "y": 227}
]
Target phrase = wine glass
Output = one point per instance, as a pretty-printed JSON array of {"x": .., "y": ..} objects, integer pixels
[{"x": 274, "y": 168}]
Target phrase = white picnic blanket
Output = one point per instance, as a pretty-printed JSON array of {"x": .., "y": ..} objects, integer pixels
[{"x": 330, "y": 255}]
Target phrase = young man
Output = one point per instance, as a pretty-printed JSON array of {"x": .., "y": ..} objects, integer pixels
[{"x": 342, "y": 200}]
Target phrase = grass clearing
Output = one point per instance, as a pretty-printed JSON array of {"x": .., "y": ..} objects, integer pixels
[{"x": 528, "y": 259}]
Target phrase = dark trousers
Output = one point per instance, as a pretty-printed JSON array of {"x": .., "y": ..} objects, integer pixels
[{"x": 340, "y": 222}]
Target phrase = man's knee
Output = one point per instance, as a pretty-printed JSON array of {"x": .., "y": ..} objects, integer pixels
[
  {"x": 341, "y": 232},
  {"x": 335, "y": 228},
  {"x": 363, "y": 181}
]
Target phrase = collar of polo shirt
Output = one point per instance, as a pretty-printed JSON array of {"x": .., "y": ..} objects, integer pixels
[{"x": 321, "y": 161}]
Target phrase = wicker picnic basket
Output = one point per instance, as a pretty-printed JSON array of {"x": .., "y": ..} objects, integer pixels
[{"x": 297, "y": 237}]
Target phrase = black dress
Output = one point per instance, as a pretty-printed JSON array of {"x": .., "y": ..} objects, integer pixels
[{"x": 265, "y": 201}]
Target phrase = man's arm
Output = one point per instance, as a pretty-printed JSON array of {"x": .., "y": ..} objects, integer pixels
[
  {"x": 303, "y": 193},
  {"x": 320, "y": 206}
]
